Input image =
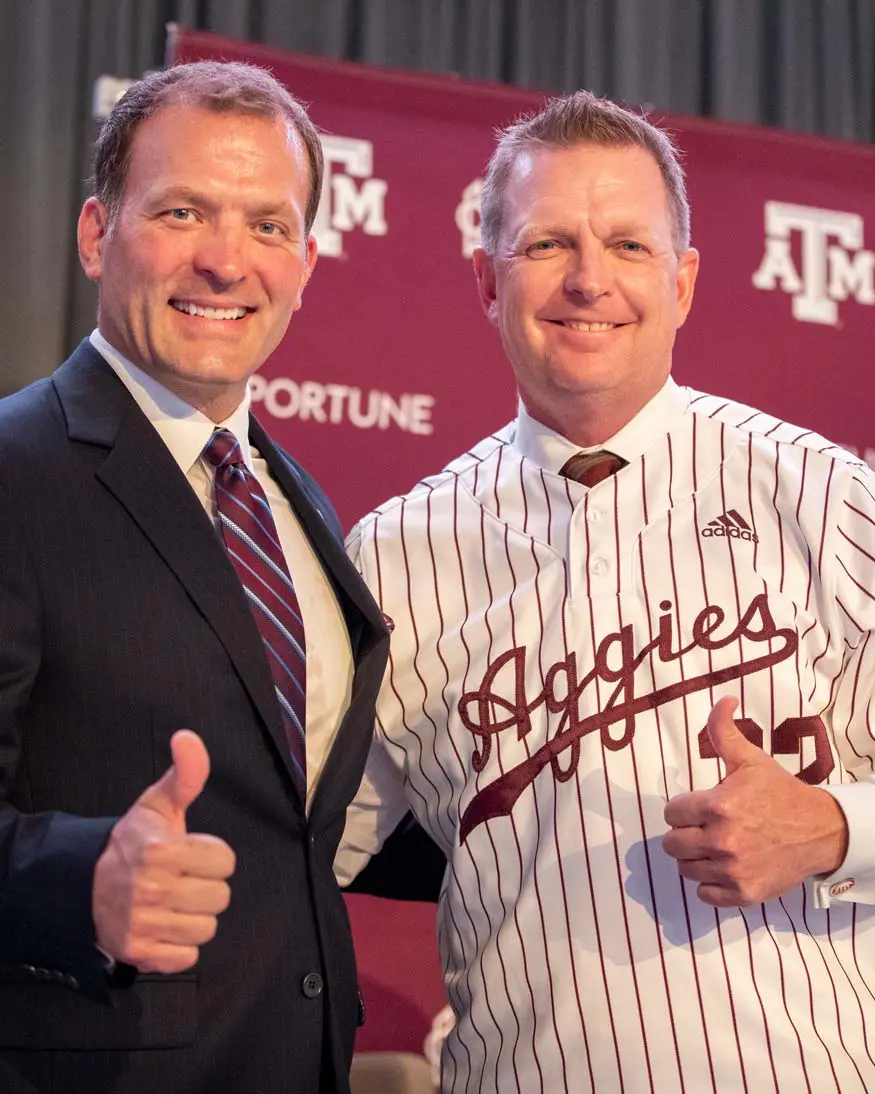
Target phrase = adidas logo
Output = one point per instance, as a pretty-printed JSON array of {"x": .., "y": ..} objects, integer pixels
[{"x": 731, "y": 525}]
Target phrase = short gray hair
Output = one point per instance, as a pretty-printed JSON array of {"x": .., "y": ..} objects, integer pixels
[{"x": 570, "y": 120}]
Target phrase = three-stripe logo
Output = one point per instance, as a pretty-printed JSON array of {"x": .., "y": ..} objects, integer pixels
[{"x": 730, "y": 525}]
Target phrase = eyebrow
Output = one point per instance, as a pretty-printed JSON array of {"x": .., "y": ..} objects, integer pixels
[
  {"x": 622, "y": 229},
  {"x": 271, "y": 212},
  {"x": 178, "y": 195},
  {"x": 543, "y": 230}
]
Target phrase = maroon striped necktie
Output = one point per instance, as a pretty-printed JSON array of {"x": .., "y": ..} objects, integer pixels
[
  {"x": 590, "y": 468},
  {"x": 253, "y": 546}
]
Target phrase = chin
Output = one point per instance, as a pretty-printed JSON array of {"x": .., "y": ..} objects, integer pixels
[
  {"x": 212, "y": 370},
  {"x": 583, "y": 382}
]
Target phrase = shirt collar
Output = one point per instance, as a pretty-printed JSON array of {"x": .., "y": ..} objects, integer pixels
[
  {"x": 181, "y": 427},
  {"x": 550, "y": 450}
]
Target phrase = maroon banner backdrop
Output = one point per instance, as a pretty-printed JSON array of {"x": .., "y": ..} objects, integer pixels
[{"x": 391, "y": 369}]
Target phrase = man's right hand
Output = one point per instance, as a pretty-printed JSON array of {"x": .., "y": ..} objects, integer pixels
[{"x": 158, "y": 890}]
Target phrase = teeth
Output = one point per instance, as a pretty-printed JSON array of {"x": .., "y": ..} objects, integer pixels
[
  {"x": 208, "y": 313},
  {"x": 574, "y": 324}
]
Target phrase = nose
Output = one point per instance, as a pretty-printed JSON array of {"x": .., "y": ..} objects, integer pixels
[
  {"x": 221, "y": 256},
  {"x": 588, "y": 272}
]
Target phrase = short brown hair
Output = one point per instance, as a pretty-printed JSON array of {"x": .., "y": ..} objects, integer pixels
[
  {"x": 221, "y": 86},
  {"x": 582, "y": 118}
]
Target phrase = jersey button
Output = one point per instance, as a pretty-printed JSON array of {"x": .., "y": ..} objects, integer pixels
[
  {"x": 311, "y": 985},
  {"x": 594, "y": 515},
  {"x": 599, "y": 566}
]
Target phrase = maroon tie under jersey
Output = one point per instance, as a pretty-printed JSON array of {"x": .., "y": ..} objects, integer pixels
[{"x": 555, "y": 656}]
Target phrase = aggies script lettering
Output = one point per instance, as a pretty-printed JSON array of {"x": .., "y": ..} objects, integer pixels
[{"x": 563, "y": 689}]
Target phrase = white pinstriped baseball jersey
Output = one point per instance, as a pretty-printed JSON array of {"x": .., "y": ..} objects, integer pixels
[{"x": 555, "y": 656}]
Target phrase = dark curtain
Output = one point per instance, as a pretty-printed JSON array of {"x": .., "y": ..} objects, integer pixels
[{"x": 798, "y": 64}]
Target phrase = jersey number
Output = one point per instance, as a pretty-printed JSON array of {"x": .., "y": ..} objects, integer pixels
[{"x": 786, "y": 741}]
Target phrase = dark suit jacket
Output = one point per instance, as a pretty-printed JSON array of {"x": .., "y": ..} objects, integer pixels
[{"x": 121, "y": 620}]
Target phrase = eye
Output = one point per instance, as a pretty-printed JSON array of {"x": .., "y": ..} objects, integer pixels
[
  {"x": 269, "y": 228},
  {"x": 181, "y": 214},
  {"x": 541, "y": 248},
  {"x": 632, "y": 246}
]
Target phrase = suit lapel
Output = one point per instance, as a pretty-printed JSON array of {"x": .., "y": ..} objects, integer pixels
[
  {"x": 363, "y": 618},
  {"x": 365, "y": 622},
  {"x": 144, "y": 478}
]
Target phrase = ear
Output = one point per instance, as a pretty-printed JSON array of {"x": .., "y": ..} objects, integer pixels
[
  {"x": 484, "y": 273},
  {"x": 688, "y": 270},
  {"x": 92, "y": 233},
  {"x": 309, "y": 265}
]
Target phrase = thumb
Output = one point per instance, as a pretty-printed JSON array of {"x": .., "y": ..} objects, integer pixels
[
  {"x": 730, "y": 744},
  {"x": 182, "y": 782}
]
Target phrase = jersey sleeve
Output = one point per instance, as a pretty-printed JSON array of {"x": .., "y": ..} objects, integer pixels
[
  {"x": 854, "y": 706},
  {"x": 372, "y": 816},
  {"x": 380, "y": 803}
]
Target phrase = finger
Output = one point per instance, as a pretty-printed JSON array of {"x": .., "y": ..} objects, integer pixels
[
  {"x": 173, "y": 892},
  {"x": 690, "y": 809},
  {"x": 720, "y": 897},
  {"x": 704, "y": 870},
  {"x": 685, "y": 844},
  {"x": 183, "y": 781},
  {"x": 161, "y": 957},
  {"x": 197, "y": 856},
  {"x": 192, "y": 896},
  {"x": 161, "y": 926},
  {"x": 730, "y": 744}
]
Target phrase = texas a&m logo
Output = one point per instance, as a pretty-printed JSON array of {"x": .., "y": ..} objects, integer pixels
[
  {"x": 468, "y": 217},
  {"x": 834, "y": 266},
  {"x": 347, "y": 203}
]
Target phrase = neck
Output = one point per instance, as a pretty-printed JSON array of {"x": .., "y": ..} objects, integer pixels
[
  {"x": 215, "y": 401},
  {"x": 218, "y": 406},
  {"x": 588, "y": 419}
]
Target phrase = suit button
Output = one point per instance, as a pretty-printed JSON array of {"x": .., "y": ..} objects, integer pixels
[{"x": 312, "y": 985}]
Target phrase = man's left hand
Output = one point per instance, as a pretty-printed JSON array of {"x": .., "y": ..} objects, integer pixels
[{"x": 759, "y": 832}]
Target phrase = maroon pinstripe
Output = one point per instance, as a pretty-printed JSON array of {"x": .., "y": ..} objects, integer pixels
[{"x": 577, "y": 959}]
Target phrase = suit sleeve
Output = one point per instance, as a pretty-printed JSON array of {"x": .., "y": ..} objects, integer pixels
[
  {"x": 854, "y": 707},
  {"x": 46, "y": 859}
]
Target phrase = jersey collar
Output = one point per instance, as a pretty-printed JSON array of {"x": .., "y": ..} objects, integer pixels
[{"x": 550, "y": 450}]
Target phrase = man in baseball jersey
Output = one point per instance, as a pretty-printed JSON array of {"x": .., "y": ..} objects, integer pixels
[{"x": 630, "y": 686}]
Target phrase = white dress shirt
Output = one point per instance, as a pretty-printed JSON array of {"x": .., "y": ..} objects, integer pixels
[{"x": 186, "y": 432}]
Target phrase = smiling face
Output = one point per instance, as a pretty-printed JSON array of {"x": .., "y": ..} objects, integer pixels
[
  {"x": 205, "y": 260},
  {"x": 586, "y": 288}
]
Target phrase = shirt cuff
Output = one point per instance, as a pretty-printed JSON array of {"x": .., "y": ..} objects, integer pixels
[
  {"x": 109, "y": 963},
  {"x": 854, "y": 880}
]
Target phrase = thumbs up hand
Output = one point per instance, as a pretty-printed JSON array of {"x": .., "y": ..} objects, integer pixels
[
  {"x": 157, "y": 889},
  {"x": 759, "y": 832}
]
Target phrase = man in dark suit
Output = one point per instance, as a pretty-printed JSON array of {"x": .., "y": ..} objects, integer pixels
[{"x": 124, "y": 618}]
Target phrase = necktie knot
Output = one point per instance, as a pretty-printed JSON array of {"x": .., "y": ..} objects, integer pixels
[
  {"x": 222, "y": 450},
  {"x": 590, "y": 468}
]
